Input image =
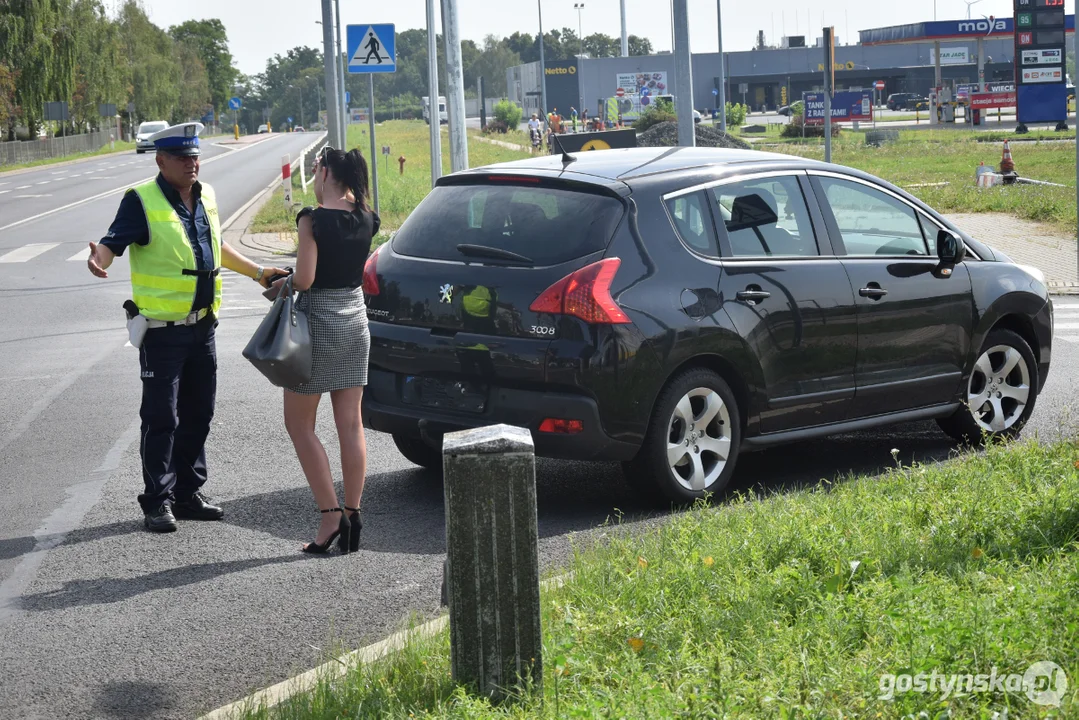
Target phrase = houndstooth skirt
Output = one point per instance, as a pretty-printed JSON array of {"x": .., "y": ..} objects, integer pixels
[{"x": 340, "y": 340}]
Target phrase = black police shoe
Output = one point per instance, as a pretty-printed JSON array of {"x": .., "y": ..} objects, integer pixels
[
  {"x": 196, "y": 508},
  {"x": 160, "y": 519}
]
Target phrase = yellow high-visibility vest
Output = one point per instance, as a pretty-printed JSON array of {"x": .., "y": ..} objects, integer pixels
[{"x": 158, "y": 284}]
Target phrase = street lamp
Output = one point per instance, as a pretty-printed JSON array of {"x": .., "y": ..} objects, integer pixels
[{"x": 580, "y": 34}]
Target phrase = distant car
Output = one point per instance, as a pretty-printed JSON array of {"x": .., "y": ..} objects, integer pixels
[
  {"x": 264, "y": 128},
  {"x": 789, "y": 110},
  {"x": 298, "y": 128},
  {"x": 142, "y": 135},
  {"x": 907, "y": 101},
  {"x": 696, "y": 116}
]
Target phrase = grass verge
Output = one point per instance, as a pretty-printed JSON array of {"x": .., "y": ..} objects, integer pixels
[
  {"x": 120, "y": 147},
  {"x": 399, "y": 193},
  {"x": 934, "y": 156},
  {"x": 797, "y": 606}
]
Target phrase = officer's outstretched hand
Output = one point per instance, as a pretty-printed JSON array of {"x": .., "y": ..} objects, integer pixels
[{"x": 95, "y": 263}]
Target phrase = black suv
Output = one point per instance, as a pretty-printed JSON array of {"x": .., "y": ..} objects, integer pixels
[
  {"x": 907, "y": 101},
  {"x": 671, "y": 307}
]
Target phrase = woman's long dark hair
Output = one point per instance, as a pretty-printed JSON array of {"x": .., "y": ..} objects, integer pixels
[{"x": 350, "y": 169}]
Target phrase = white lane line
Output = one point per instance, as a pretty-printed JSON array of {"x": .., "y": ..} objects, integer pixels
[
  {"x": 1069, "y": 338},
  {"x": 4, "y": 191},
  {"x": 33, "y": 196},
  {"x": 1066, "y": 306},
  {"x": 102, "y": 177},
  {"x": 124, "y": 188},
  {"x": 44, "y": 182},
  {"x": 80, "y": 255},
  {"x": 22, "y": 187},
  {"x": 27, "y": 252},
  {"x": 237, "y": 309},
  {"x": 1066, "y": 326}
]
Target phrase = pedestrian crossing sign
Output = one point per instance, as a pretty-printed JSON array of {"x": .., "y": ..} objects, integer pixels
[{"x": 371, "y": 49}]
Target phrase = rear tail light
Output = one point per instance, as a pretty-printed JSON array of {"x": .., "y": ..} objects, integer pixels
[
  {"x": 370, "y": 273},
  {"x": 584, "y": 294},
  {"x": 561, "y": 426}
]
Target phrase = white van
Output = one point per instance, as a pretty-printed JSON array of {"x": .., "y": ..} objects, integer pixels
[{"x": 442, "y": 117}]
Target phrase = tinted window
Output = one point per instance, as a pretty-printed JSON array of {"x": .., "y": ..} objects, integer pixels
[
  {"x": 766, "y": 217},
  {"x": 930, "y": 230},
  {"x": 548, "y": 225},
  {"x": 872, "y": 222},
  {"x": 690, "y": 216},
  {"x": 152, "y": 127}
]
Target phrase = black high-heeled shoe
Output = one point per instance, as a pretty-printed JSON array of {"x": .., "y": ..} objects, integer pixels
[
  {"x": 341, "y": 535},
  {"x": 356, "y": 523}
]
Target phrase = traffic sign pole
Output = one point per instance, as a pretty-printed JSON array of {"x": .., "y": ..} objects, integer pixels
[
  {"x": 371, "y": 126},
  {"x": 364, "y": 43}
]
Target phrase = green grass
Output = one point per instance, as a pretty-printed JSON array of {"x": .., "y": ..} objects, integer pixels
[
  {"x": 121, "y": 146},
  {"x": 932, "y": 156},
  {"x": 793, "y": 606},
  {"x": 398, "y": 194}
]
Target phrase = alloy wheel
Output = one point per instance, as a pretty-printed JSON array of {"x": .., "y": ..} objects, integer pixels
[
  {"x": 998, "y": 389},
  {"x": 699, "y": 439}
]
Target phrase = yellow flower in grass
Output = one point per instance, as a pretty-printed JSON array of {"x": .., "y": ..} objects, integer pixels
[
  {"x": 977, "y": 553},
  {"x": 636, "y": 643},
  {"x": 709, "y": 562},
  {"x": 642, "y": 563}
]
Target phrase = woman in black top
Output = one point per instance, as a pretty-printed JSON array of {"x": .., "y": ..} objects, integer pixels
[{"x": 335, "y": 239}]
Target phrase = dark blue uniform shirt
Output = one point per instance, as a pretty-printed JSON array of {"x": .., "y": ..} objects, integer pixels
[{"x": 130, "y": 227}]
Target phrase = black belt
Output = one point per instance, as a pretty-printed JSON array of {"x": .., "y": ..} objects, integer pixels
[{"x": 202, "y": 273}]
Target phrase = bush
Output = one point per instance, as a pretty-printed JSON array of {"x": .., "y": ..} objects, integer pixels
[
  {"x": 736, "y": 114},
  {"x": 793, "y": 129},
  {"x": 495, "y": 126},
  {"x": 509, "y": 114},
  {"x": 662, "y": 111}
]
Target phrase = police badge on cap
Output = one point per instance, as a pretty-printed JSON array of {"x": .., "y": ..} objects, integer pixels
[{"x": 182, "y": 140}]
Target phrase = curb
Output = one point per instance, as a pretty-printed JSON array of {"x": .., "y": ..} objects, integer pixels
[{"x": 276, "y": 694}]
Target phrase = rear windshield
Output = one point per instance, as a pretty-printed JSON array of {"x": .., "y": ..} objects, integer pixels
[{"x": 547, "y": 225}]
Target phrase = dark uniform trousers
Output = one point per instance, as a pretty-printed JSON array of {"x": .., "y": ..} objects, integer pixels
[{"x": 179, "y": 386}]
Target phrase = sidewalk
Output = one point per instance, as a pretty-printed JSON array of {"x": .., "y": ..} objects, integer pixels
[{"x": 1027, "y": 243}]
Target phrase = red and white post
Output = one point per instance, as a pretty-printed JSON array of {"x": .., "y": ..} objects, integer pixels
[{"x": 286, "y": 179}]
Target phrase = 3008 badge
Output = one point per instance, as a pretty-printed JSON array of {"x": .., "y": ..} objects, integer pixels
[{"x": 542, "y": 330}]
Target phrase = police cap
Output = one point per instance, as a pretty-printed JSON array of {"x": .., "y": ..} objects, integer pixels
[{"x": 182, "y": 139}]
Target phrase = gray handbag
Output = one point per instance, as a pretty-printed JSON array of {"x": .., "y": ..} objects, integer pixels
[{"x": 281, "y": 347}]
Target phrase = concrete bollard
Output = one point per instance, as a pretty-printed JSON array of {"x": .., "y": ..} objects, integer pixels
[{"x": 492, "y": 543}]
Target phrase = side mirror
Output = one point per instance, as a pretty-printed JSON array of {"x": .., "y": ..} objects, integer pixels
[{"x": 950, "y": 248}]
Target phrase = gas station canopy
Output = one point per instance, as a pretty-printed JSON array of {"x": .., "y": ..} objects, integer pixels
[{"x": 944, "y": 30}]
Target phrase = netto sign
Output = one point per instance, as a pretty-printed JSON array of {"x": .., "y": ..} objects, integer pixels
[
  {"x": 571, "y": 70},
  {"x": 563, "y": 86}
]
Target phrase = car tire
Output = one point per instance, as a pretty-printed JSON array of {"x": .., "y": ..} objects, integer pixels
[
  {"x": 139, "y": 152},
  {"x": 1006, "y": 367},
  {"x": 696, "y": 406},
  {"x": 418, "y": 452}
]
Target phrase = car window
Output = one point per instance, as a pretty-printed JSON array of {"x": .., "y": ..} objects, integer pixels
[
  {"x": 547, "y": 224},
  {"x": 929, "y": 230},
  {"x": 691, "y": 219},
  {"x": 872, "y": 222},
  {"x": 766, "y": 217},
  {"x": 152, "y": 127}
]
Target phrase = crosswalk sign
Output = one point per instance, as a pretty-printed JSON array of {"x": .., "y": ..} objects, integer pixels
[{"x": 371, "y": 48}]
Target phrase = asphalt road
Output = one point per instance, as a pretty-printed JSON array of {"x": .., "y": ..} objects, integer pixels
[{"x": 99, "y": 619}]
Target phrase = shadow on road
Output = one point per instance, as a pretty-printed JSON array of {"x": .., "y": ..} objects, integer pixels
[{"x": 133, "y": 700}]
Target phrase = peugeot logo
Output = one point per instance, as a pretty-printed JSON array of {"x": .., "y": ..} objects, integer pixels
[{"x": 446, "y": 293}]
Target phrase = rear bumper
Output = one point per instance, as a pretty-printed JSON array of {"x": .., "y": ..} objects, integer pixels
[{"x": 384, "y": 411}]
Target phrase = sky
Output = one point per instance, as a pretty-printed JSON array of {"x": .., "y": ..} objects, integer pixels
[{"x": 259, "y": 29}]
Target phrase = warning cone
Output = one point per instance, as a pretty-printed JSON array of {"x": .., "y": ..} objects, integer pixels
[{"x": 1006, "y": 164}]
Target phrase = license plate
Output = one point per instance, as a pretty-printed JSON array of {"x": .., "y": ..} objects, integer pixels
[{"x": 456, "y": 395}]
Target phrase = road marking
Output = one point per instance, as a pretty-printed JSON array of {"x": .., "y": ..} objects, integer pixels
[
  {"x": 53, "y": 531},
  {"x": 102, "y": 177},
  {"x": 27, "y": 252},
  {"x": 81, "y": 255},
  {"x": 1069, "y": 338},
  {"x": 1059, "y": 326},
  {"x": 1056, "y": 306},
  {"x": 22, "y": 187},
  {"x": 124, "y": 188},
  {"x": 44, "y": 182},
  {"x": 4, "y": 191},
  {"x": 33, "y": 196}
]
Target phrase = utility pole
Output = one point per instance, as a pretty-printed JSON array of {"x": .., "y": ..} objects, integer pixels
[
  {"x": 432, "y": 93},
  {"x": 341, "y": 106},
  {"x": 829, "y": 69},
  {"x": 330, "y": 66},
  {"x": 683, "y": 70},
  {"x": 543, "y": 65},
  {"x": 455, "y": 90},
  {"x": 625, "y": 38},
  {"x": 722, "y": 70}
]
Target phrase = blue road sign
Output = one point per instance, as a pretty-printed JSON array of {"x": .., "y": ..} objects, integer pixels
[
  {"x": 290, "y": 119},
  {"x": 348, "y": 97},
  {"x": 235, "y": 103},
  {"x": 371, "y": 48},
  {"x": 715, "y": 91}
]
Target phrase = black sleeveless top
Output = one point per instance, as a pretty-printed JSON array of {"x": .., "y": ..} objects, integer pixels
[{"x": 344, "y": 241}]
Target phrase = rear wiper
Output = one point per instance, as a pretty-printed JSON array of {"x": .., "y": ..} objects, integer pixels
[{"x": 492, "y": 252}]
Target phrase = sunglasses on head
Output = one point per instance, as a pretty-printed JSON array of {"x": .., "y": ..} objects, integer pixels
[{"x": 326, "y": 149}]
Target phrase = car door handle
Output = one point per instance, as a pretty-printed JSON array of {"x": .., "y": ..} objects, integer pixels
[
  {"x": 874, "y": 293},
  {"x": 753, "y": 295}
]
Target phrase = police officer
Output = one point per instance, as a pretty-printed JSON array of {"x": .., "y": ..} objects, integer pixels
[{"x": 172, "y": 228}]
